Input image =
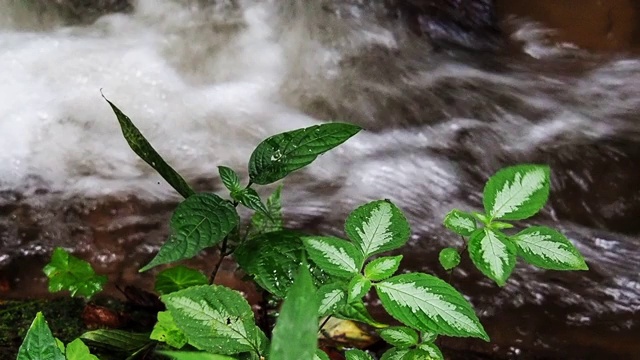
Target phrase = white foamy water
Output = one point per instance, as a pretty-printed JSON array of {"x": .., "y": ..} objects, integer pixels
[{"x": 206, "y": 83}]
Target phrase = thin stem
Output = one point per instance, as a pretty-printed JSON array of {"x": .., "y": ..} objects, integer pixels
[
  {"x": 223, "y": 251},
  {"x": 326, "y": 320}
]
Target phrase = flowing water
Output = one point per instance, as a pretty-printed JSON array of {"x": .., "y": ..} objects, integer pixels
[{"x": 205, "y": 83}]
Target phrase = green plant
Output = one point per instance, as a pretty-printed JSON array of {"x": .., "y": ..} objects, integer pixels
[{"x": 318, "y": 277}]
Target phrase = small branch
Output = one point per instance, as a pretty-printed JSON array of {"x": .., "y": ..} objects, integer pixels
[
  {"x": 223, "y": 254},
  {"x": 326, "y": 320}
]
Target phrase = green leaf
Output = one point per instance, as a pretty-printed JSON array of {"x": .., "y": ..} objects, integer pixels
[
  {"x": 427, "y": 303},
  {"x": 282, "y": 154},
  {"x": 295, "y": 335},
  {"x": 273, "y": 259},
  {"x": 401, "y": 337},
  {"x": 355, "y": 354},
  {"x": 178, "y": 278},
  {"x": 215, "y": 319},
  {"x": 516, "y": 192},
  {"x": 320, "y": 355},
  {"x": 546, "y": 248},
  {"x": 193, "y": 355},
  {"x": 199, "y": 222},
  {"x": 168, "y": 332},
  {"x": 460, "y": 222},
  {"x": 67, "y": 272},
  {"x": 330, "y": 297},
  {"x": 377, "y": 227},
  {"x": 482, "y": 217},
  {"x": 493, "y": 254},
  {"x": 358, "y": 288},
  {"x": 262, "y": 223},
  {"x": 428, "y": 336},
  {"x": 396, "y": 354},
  {"x": 230, "y": 178},
  {"x": 336, "y": 256},
  {"x": 77, "y": 350},
  {"x": 499, "y": 225},
  {"x": 146, "y": 152},
  {"x": 432, "y": 350},
  {"x": 60, "y": 345},
  {"x": 116, "y": 340},
  {"x": 449, "y": 258},
  {"x": 357, "y": 311},
  {"x": 39, "y": 343},
  {"x": 382, "y": 267},
  {"x": 250, "y": 199}
]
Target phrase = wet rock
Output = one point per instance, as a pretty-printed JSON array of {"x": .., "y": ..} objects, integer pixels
[
  {"x": 79, "y": 11},
  {"x": 471, "y": 24}
]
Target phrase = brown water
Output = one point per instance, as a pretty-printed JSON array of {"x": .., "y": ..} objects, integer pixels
[{"x": 439, "y": 123}]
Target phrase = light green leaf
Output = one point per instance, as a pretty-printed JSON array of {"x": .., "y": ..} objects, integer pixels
[
  {"x": 282, "y": 154},
  {"x": 377, "y": 227},
  {"x": 357, "y": 311},
  {"x": 460, "y": 222},
  {"x": 432, "y": 351},
  {"x": 193, "y": 355},
  {"x": 427, "y": 303},
  {"x": 178, "y": 278},
  {"x": 396, "y": 354},
  {"x": 251, "y": 200},
  {"x": 77, "y": 350},
  {"x": 382, "y": 267},
  {"x": 355, "y": 354},
  {"x": 546, "y": 248},
  {"x": 482, "y": 218},
  {"x": 295, "y": 335},
  {"x": 320, "y": 355},
  {"x": 449, "y": 258},
  {"x": 335, "y": 256},
  {"x": 199, "y": 222},
  {"x": 146, "y": 152},
  {"x": 499, "y": 225},
  {"x": 331, "y": 297},
  {"x": 493, "y": 254},
  {"x": 263, "y": 223},
  {"x": 60, "y": 345},
  {"x": 516, "y": 192},
  {"x": 230, "y": 178},
  {"x": 215, "y": 319},
  {"x": 428, "y": 336},
  {"x": 67, "y": 272},
  {"x": 116, "y": 340},
  {"x": 167, "y": 331},
  {"x": 358, "y": 287},
  {"x": 401, "y": 337},
  {"x": 39, "y": 343},
  {"x": 272, "y": 259}
]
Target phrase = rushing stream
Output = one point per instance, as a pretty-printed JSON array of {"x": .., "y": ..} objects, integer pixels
[{"x": 206, "y": 83}]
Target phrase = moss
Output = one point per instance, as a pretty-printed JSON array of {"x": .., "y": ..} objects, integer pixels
[{"x": 63, "y": 315}]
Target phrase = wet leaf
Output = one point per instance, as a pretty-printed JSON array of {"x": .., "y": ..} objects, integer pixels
[
  {"x": 251, "y": 200},
  {"x": 493, "y": 254},
  {"x": 117, "y": 340},
  {"x": 77, "y": 350},
  {"x": 460, "y": 222},
  {"x": 358, "y": 287},
  {"x": 215, "y": 319},
  {"x": 295, "y": 335},
  {"x": 336, "y": 256},
  {"x": 382, "y": 267},
  {"x": 547, "y": 248},
  {"x": 432, "y": 350},
  {"x": 146, "y": 152},
  {"x": 377, "y": 227},
  {"x": 199, "y": 222},
  {"x": 281, "y": 154},
  {"x": 263, "y": 223},
  {"x": 230, "y": 178},
  {"x": 168, "y": 332},
  {"x": 67, "y": 272},
  {"x": 449, "y": 258},
  {"x": 39, "y": 343},
  {"x": 401, "y": 337},
  {"x": 427, "y": 303},
  {"x": 516, "y": 192},
  {"x": 331, "y": 297},
  {"x": 178, "y": 278}
]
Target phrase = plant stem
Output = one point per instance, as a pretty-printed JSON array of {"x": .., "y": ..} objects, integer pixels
[
  {"x": 223, "y": 254},
  {"x": 326, "y": 320}
]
